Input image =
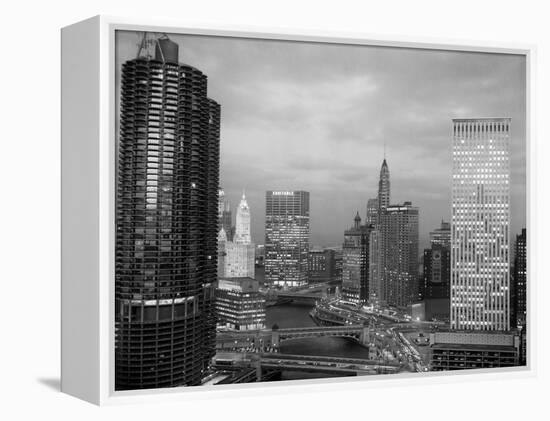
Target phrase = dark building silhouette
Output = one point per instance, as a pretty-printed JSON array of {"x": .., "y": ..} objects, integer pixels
[
  {"x": 321, "y": 265},
  {"x": 166, "y": 222},
  {"x": 225, "y": 216},
  {"x": 355, "y": 262},
  {"x": 399, "y": 235},
  {"x": 437, "y": 264},
  {"x": 519, "y": 282}
]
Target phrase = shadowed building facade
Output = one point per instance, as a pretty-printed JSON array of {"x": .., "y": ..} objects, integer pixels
[
  {"x": 355, "y": 263},
  {"x": 520, "y": 280},
  {"x": 399, "y": 237},
  {"x": 321, "y": 265},
  {"x": 166, "y": 222},
  {"x": 286, "y": 238},
  {"x": 437, "y": 264}
]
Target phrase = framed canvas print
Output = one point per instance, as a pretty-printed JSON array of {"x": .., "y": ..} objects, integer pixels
[{"x": 244, "y": 210}]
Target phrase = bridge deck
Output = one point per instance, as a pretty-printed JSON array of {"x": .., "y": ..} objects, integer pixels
[{"x": 326, "y": 359}]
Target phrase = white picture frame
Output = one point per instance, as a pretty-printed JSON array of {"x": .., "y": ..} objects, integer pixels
[{"x": 88, "y": 191}]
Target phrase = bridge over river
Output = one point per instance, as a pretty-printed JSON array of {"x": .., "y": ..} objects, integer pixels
[
  {"x": 268, "y": 362},
  {"x": 273, "y": 338}
]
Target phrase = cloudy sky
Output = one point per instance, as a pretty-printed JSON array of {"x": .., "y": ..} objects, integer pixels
[{"x": 315, "y": 117}]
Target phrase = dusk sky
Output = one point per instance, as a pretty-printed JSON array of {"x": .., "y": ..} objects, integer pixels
[{"x": 315, "y": 117}]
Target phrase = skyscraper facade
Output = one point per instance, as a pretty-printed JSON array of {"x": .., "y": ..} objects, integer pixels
[
  {"x": 372, "y": 212},
  {"x": 437, "y": 264},
  {"x": 399, "y": 234},
  {"x": 375, "y": 268},
  {"x": 375, "y": 209},
  {"x": 286, "y": 237},
  {"x": 242, "y": 223},
  {"x": 355, "y": 263},
  {"x": 321, "y": 265},
  {"x": 480, "y": 252},
  {"x": 239, "y": 304},
  {"x": 166, "y": 223},
  {"x": 520, "y": 279},
  {"x": 239, "y": 257}
]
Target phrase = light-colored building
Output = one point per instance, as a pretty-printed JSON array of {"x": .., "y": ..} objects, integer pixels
[
  {"x": 242, "y": 223},
  {"x": 239, "y": 254},
  {"x": 286, "y": 238},
  {"x": 239, "y": 260},
  {"x": 480, "y": 244},
  {"x": 384, "y": 187},
  {"x": 239, "y": 304}
]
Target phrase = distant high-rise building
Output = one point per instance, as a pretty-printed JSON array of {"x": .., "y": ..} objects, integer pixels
[
  {"x": 355, "y": 263},
  {"x": 338, "y": 263},
  {"x": 226, "y": 221},
  {"x": 520, "y": 279},
  {"x": 437, "y": 264},
  {"x": 384, "y": 187},
  {"x": 321, "y": 265},
  {"x": 239, "y": 259},
  {"x": 166, "y": 222},
  {"x": 441, "y": 236},
  {"x": 259, "y": 254},
  {"x": 372, "y": 212},
  {"x": 221, "y": 206},
  {"x": 375, "y": 268},
  {"x": 480, "y": 252},
  {"x": 242, "y": 224},
  {"x": 286, "y": 237},
  {"x": 222, "y": 241},
  {"x": 239, "y": 304},
  {"x": 399, "y": 234}
]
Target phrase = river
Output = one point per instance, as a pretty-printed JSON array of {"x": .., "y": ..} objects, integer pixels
[{"x": 295, "y": 315}]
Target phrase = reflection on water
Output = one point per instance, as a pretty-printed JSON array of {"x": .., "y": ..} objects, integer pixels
[
  {"x": 289, "y": 315},
  {"x": 294, "y": 315},
  {"x": 327, "y": 346}
]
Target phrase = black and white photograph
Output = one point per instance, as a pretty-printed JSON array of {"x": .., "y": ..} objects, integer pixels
[{"x": 290, "y": 210}]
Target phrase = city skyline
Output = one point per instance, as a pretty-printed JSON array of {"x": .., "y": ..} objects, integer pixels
[
  {"x": 336, "y": 107},
  {"x": 187, "y": 278}
]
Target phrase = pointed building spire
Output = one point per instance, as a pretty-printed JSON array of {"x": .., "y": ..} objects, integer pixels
[
  {"x": 357, "y": 220},
  {"x": 384, "y": 186},
  {"x": 242, "y": 228}
]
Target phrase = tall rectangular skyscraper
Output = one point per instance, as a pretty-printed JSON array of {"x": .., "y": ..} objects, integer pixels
[
  {"x": 286, "y": 237},
  {"x": 399, "y": 237},
  {"x": 480, "y": 237},
  {"x": 372, "y": 212},
  {"x": 355, "y": 262},
  {"x": 166, "y": 223},
  {"x": 520, "y": 279},
  {"x": 437, "y": 264}
]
